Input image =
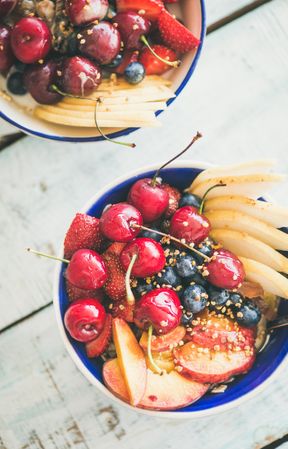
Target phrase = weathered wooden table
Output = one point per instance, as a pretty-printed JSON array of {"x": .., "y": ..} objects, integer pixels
[{"x": 238, "y": 98}]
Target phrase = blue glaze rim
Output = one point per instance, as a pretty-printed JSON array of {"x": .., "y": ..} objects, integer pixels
[
  {"x": 265, "y": 366},
  {"x": 126, "y": 131}
]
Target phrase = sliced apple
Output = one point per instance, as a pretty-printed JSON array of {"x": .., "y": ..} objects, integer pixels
[
  {"x": 131, "y": 360},
  {"x": 166, "y": 392},
  {"x": 272, "y": 214},
  {"x": 246, "y": 168},
  {"x": 271, "y": 281},
  {"x": 242, "y": 244},
  {"x": 246, "y": 185},
  {"x": 204, "y": 365},
  {"x": 165, "y": 342},
  {"x": 237, "y": 221}
]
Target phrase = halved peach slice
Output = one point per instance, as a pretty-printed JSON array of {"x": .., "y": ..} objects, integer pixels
[
  {"x": 131, "y": 360},
  {"x": 166, "y": 392},
  {"x": 165, "y": 342}
]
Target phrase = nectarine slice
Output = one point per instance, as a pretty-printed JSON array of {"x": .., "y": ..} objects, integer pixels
[{"x": 165, "y": 342}]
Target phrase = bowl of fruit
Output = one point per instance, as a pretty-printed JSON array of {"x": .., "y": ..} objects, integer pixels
[
  {"x": 171, "y": 295},
  {"x": 78, "y": 70}
]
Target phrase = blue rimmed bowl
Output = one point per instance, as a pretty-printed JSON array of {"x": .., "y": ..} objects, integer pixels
[
  {"x": 192, "y": 13},
  {"x": 268, "y": 363}
]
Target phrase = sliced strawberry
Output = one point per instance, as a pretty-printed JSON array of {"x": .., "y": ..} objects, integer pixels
[
  {"x": 208, "y": 366},
  {"x": 96, "y": 347},
  {"x": 176, "y": 35},
  {"x": 78, "y": 293},
  {"x": 165, "y": 342},
  {"x": 115, "y": 284},
  {"x": 174, "y": 197},
  {"x": 83, "y": 233},
  {"x": 121, "y": 309},
  {"x": 128, "y": 57},
  {"x": 152, "y": 65},
  {"x": 115, "y": 248},
  {"x": 150, "y": 9}
]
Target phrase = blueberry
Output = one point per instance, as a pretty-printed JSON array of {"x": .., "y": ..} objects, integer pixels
[
  {"x": 115, "y": 62},
  {"x": 218, "y": 296},
  {"x": 186, "y": 319},
  {"x": 236, "y": 300},
  {"x": 248, "y": 315},
  {"x": 206, "y": 247},
  {"x": 15, "y": 84},
  {"x": 20, "y": 66},
  {"x": 188, "y": 199},
  {"x": 134, "y": 73},
  {"x": 142, "y": 288},
  {"x": 151, "y": 234},
  {"x": 186, "y": 266},
  {"x": 197, "y": 278},
  {"x": 168, "y": 276},
  {"x": 194, "y": 298}
]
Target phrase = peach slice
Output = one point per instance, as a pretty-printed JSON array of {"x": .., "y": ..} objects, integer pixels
[
  {"x": 166, "y": 392},
  {"x": 204, "y": 365},
  {"x": 165, "y": 342},
  {"x": 164, "y": 360},
  {"x": 131, "y": 360}
]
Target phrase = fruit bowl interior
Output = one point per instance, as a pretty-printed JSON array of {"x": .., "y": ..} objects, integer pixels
[
  {"x": 18, "y": 112},
  {"x": 267, "y": 362}
]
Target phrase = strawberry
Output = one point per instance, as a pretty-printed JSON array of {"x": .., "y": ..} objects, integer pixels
[
  {"x": 128, "y": 57},
  {"x": 176, "y": 35},
  {"x": 83, "y": 233},
  {"x": 174, "y": 197},
  {"x": 79, "y": 293},
  {"x": 96, "y": 347},
  {"x": 121, "y": 309},
  {"x": 150, "y": 9},
  {"x": 115, "y": 284},
  {"x": 152, "y": 65},
  {"x": 115, "y": 248}
]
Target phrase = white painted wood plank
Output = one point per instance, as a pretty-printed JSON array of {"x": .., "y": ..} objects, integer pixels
[
  {"x": 238, "y": 98},
  {"x": 46, "y": 403}
]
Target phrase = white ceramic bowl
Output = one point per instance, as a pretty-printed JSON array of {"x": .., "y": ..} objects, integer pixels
[{"x": 193, "y": 15}]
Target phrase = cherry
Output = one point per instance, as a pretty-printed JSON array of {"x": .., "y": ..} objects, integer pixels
[
  {"x": 116, "y": 222},
  {"x": 189, "y": 225},
  {"x": 80, "y": 76},
  {"x": 101, "y": 42},
  {"x": 132, "y": 27},
  {"x": 149, "y": 198},
  {"x": 6, "y": 54},
  {"x": 81, "y": 12},
  {"x": 224, "y": 270},
  {"x": 150, "y": 257},
  {"x": 38, "y": 80},
  {"x": 31, "y": 40},
  {"x": 86, "y": 270},
  {"x": 85, "y": 319},
  {"x": 6, "y": 6}
]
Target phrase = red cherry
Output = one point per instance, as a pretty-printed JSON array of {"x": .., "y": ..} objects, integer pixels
[
  {"x": 150, "y": 199},
  {"x": 101, "y": 42},
  {"x": 225, "y": 270},
  {"x": 85, "y": 319},
  {"x": 188, "y": 224},
  {"x": 116, "y": 222},
  {"x": 159, "y": 308},
  {"x": 87, "y": 270},
  {"x": 150, "y": 257},
  {"x": 31, "y": 40},
  {"x": 6, "y": 54},
  {"x": 38, "y": 80},
  {"x": 80, "y": 76},
  {"x": 6, "y": 6},
  {"x": 132, "y": 27},
  {"x": 81, "y": 12}
]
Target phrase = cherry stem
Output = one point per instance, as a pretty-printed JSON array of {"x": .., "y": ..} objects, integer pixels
[
  {"x": 205, "y": 196},
  {"x": 129, "y": 294},
  {"x": 48, "y": 256},
  {"x": 149, "y": 352},
  {"x": 195, "y": 138},
  {"x": 144, "y": 228},
  {"x": 174, "y": 64},
  {"x": 98, "y": 101}
]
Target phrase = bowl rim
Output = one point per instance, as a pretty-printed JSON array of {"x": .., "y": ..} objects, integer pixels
[
  {"x": 80, "y": 365},
  {"x": 125, "y": 131}
]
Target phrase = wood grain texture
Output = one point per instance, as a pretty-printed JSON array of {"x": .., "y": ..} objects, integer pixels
[
  {"x": 238, "y": 98},
  {"x": 46, "y": 403}
]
